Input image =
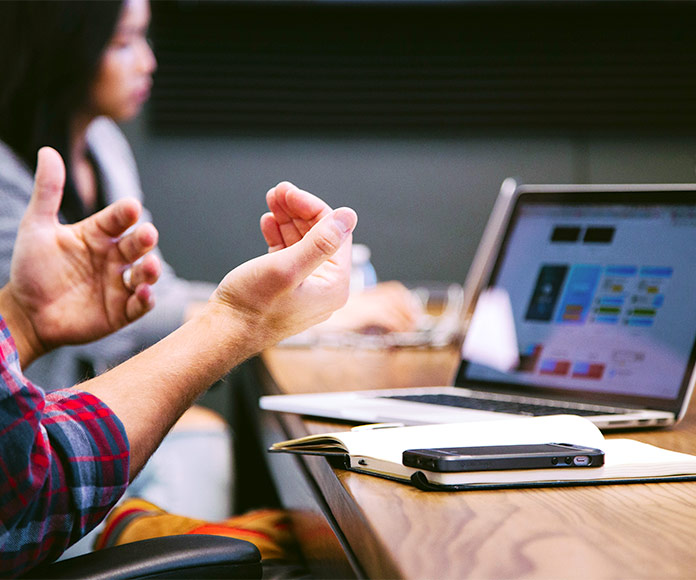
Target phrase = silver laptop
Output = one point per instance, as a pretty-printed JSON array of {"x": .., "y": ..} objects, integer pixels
[{"x": 600, "y": 286}]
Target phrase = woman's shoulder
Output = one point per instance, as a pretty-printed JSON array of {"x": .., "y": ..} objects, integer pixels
[
  {"x": 114, "y": 158},
  {"x": 104, "y": 133}
]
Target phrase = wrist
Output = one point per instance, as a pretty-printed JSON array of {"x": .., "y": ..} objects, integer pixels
[
  {"x": 237, "y": 334},
  {"x": 27, "y": 341}
]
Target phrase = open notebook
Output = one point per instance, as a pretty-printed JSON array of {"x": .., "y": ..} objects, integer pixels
[
  {"x": 579, "y": 300},
  {"x": 379, "y": 451}
]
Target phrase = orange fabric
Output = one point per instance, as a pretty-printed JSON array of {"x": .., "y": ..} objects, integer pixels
[{"x": 136, "y": 519}]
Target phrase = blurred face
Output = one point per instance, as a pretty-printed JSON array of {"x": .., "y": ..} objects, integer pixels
[{"x": 124, "y": 77}]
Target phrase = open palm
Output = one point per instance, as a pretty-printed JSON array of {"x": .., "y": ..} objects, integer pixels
[
  {"x": 68, "y": 278},
  {"x": 305, "y": 275}
]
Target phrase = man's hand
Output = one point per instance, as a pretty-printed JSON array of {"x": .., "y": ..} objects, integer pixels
[
  {"x": 66, "y": 281},
  {"x": 387, "y": 308},
  {"x": 304, "y": 277}
]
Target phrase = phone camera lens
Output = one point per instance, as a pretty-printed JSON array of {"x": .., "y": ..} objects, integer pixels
[
  {"x": 554, "y": 461},
  {"x": 568, "y": 460}
]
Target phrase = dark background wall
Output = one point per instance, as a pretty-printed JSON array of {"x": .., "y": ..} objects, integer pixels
[{"x": 411, "y": 112}]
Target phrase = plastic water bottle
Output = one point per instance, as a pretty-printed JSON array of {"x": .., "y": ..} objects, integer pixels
[{"x": 363, "y": 274}]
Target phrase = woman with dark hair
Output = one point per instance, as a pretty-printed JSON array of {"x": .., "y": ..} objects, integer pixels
[{"x": 69, "y": 71}]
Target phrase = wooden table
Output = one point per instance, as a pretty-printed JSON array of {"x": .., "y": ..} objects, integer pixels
[{"x": 368, "y": 527}]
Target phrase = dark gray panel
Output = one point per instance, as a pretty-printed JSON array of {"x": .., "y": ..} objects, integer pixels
[{"x": 422, "y": 203}]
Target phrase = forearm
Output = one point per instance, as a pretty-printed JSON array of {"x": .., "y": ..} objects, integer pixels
[{"x": 150, "y": 391}]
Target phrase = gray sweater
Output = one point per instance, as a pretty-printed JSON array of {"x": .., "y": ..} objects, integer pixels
[{"x": 119, "y": 178}]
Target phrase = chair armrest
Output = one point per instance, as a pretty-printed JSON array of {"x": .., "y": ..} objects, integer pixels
[{"x": 182, "y": 556}]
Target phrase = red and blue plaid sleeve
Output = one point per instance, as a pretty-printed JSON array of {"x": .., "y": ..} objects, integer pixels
[{"x": 64, "y": 462}]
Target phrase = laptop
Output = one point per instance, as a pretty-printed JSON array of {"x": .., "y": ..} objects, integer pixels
[{"x": 598, "y": 284}]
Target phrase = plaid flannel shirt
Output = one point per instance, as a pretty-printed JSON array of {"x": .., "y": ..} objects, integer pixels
[{"x": 64, "y": 462}]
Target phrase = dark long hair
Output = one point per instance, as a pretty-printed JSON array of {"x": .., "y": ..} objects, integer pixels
[{"x": 49, "y": 56}]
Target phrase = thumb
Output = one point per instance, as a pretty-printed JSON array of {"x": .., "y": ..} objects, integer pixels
[
  {"x": 322, "y": 241},
  {"x": 49, "y": 181}
]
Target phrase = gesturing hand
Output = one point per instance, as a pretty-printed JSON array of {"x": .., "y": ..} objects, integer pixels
[
  {"x": 67, "y": 280},
  {"x": 304, "y": 277},
  {"x": 388, "y": 307}
]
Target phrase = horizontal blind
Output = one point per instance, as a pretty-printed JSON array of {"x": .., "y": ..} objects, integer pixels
[{"x": 427, "y": 67}]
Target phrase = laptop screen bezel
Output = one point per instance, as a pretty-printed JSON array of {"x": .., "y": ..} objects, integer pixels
[{"x": 584, "y": 195}]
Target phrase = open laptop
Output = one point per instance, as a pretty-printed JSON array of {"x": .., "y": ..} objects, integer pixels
[{"x": 600, "y": 281}]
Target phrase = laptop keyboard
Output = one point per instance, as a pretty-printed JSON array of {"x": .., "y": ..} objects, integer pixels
[{"x": 517, "y": 408}]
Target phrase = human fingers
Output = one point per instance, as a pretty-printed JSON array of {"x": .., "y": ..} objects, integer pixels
[
  {"x": 137, "y": 243},
  {"x": 295, "y": 210},
  {"x": 304, "y": 205},
  {"x": 290, "y": 224},
  {"x": 140, "y": 302},
  {"x": 49, "y": 181},
  {"x": 146, "y": 271},
  {"x": 271, "y": 232},
  {"x": 322, "y": 242},
  {"x": 273, "y": 201},
  {"x": 377, "y": 310},
  {"x": 405, "y": 311},
  {"x": 399, "y": 319},
  {"x": 288, "y": 201},
  {"x": 401, "y": 301},
  {"x": 116, "y": 218}
]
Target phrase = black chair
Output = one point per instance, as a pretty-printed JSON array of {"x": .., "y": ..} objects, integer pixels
[{"x": 185, "y": 556}]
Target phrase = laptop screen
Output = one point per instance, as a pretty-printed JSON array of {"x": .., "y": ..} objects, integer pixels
[{"x": 602, "y": 289}]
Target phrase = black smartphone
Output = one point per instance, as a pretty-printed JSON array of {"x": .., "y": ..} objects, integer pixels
[{"x": 498, "y": 457}]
